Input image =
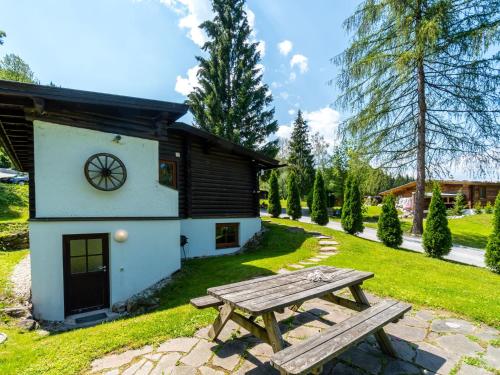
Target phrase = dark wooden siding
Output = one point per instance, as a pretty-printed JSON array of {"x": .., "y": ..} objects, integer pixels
[{"x": 211, "y": 182}]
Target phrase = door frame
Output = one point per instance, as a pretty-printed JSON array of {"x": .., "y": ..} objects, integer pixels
[{"x": 66, "y": 266}]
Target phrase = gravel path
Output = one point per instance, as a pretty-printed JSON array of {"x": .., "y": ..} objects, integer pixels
[{"x": 21, "y": 280}]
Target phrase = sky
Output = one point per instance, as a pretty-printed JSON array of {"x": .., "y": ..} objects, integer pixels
[{"x": 147, "y": 48}]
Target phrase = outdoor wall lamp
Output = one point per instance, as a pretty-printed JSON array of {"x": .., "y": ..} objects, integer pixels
[{"x": 121, "y": 235}]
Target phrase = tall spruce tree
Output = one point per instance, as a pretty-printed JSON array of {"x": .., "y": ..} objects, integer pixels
[
  {"x": 389, "y": 227},
  {"x": 437, "y": 234},
  {"x": 274, "y": 206},
  {"x": 300, "y": 157},
  {"x": 319, "y": 212},
  {"x": 293, "y": 208},
  {"x": 352, "y": 214},
  {"x": 231, "y": 100},
  {"x": 492, "y": 256},
  {"x": 422, "y": 79}
]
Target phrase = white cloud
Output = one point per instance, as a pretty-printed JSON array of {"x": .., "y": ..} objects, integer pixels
[
  {"x": 284, "y": 95},
  {"x": 284, "y": 131},
  {"x": 275, "y": 84},
  {"x": 261, "y": 47},
  {"x": 301, "y": 61},
  {"x": 292, "y": 76},
  {"x": 324, "y": 121},
  {"x": 291, "y": 112},
  {"x": 250, "y": 18},
  {"x": 285, "y": 47},
  {"x": 183, "y": 85},
  {"x": 193, "y": 13}
]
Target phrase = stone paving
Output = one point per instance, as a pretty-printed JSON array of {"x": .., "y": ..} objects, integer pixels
[{"x": 426, "y": 341}]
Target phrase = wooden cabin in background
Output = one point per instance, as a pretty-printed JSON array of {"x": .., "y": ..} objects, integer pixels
[{"x": 473, "y": 191}]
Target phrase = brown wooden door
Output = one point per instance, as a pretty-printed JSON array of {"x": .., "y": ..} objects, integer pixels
[{"x": 86, "y": 272}]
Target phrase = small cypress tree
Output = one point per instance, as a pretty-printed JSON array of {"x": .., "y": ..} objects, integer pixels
[
  {"x": 319, "y": 212},
  {"x": 488, "y": 208},
  {"x": 389, "y": 227},
  {"x": 459, "y": 205},
  {"x": 352, "y": 214},
  {"x": 293, "y": 208},
  {"x": 274, "y": 207},
  {"x": 437, "y": 234},
  {"x": 492, "y": 256}
]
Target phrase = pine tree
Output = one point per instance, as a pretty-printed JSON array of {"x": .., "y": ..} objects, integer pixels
[
  {"x": 352, "y": 208},
  {"x": 492, "y": 256},
  {"x": 459, "y": 205},
  {"x": 293, "y": 208},
  {"x": 274, "y": 206},
  {"x": 389, "y": 227},
  {"x": 422, "y": 83},
  {"x": 437, "y": 235},
  {"x": 319, "y": 212},
  {"x": 300, "y": 157},
  {"x": 231, "y": 100}
]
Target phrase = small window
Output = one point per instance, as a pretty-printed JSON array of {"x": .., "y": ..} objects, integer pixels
[
  {"x": 227, "y": 235},
  {"x": 168, "y": 173},
  {"x": 482, "y": 192}
]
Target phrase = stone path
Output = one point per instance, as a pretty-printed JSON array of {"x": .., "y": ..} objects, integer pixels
[
  {"x": 21, "y": 280},
  {"x": 427, "y": 342},
  {"x": 326, "y": 250}
]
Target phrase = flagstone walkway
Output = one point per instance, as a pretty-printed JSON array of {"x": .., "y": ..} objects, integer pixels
[{"x": 427, "y": 342}]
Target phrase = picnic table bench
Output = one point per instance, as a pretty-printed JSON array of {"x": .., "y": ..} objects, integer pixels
[{"x": 264, "y": 296}]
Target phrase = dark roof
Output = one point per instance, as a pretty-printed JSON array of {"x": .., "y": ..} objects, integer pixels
[{"x": 21, "y": 103}]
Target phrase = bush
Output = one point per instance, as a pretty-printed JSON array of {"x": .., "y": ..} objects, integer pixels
[
  {"x": 389, "y": 227},
  {"x": 352, "y": 215},
  {"x": 437, "y": 234},
  {"x": 477, "y": 207},
  {"x": 293, "y": 208},
  {"x": 459, "y": 205},
  {"x": 492, "y": 256},
  {"x": 274, "y": 206},
  {"x": 319, "y": 213},
  {"x": 488, "y": 208}
]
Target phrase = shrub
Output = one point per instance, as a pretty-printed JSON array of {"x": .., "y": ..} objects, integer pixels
[
  {"x": 477, "y": 207},
  {"x": 389, "y": 227},
  {"x": 492, "y": 256},
  {"x": 488, "y": 208},
  {"x": 352, "y": 216},
  {"x": 459, "y": 205},
  {"x": 437, "y": 234},
  {"x": 293, "y": 208},
  {"x": 319, "y": 213},
  {"x": 274, "y": 206}
]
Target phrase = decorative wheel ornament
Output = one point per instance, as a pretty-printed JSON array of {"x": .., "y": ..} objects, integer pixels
[{"x": 105, "y": 172}]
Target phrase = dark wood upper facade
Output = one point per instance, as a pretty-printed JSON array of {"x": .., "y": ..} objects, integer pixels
[{"x": 214, "y": 177}]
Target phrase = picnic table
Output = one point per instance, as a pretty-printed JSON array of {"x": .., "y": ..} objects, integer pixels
[{"x": 244, "y": 301}]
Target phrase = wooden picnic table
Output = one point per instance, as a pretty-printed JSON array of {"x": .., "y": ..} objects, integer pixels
[{"x": 265, "y": 296}]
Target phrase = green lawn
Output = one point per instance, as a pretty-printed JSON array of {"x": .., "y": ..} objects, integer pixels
[
  {"x": 468, "y": 291},
  {"x": 13, "y": 203},
  {"x": 472, "y": 230}
]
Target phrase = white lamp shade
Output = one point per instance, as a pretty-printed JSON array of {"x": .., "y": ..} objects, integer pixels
[{"x": 121, "y": 235}]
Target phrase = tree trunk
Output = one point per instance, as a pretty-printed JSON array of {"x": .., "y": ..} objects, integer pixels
[{"x": 418, "y": 214}]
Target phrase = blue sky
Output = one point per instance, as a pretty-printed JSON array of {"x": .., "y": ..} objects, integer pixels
[{"x": 147, "y": 48}]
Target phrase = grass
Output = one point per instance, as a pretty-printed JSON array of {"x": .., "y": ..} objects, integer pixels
[
  {"x": 13, "y": 203},
  {"x": 472, "y": 230},
  {"x": 468, "y": 291},
  {"x": 7, "y": 262}
]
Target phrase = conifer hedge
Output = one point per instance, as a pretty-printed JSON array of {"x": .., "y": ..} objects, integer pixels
[
  {"x": 319, "y": 212},
  {"x": 352, "y": 214},
  {"x": 293, "y": 208},
  {"x": 492, "y": 256},
  {"x": 274, "y": 207},
  {"x": 389, "y": 227},
  {"x": 437, "y": 234}
]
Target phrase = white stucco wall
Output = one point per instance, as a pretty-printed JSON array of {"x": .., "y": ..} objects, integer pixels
[
  {"x": 201, "y": 235},
  {"x": 63, "y": 191},
  {"x": 150, "y": 254}
]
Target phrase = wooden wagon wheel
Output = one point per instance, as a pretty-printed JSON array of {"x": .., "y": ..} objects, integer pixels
[{"x": 105, "y": 172}]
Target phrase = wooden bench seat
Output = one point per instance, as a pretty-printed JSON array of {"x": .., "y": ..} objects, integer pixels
[
  {"x": 311, "y": 354},
  {"x": 205, "y": 302}
]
